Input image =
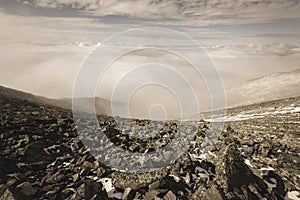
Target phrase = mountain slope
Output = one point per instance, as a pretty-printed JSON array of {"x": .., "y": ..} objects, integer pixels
[
  {"x": 102, "y": 106},
  {"x": 17, "y": 94},
  {"x": 267, "y": 88},
  {"x": 43, "y": 157}
]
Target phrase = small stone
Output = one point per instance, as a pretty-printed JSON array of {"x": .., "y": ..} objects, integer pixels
[
  {"x": 57, "y": 177},
  {"x": 47, "y": 188},
  {"x": 211, "y": 193},
  {"x": 178, "y": 186},
  {"x": 7, "y": 195},
  {"x": 51, "y": 194},
  {"x": 264, "y": 149},
  {"x": 151, "y": 195},
  {"x": 80, "y": 190},
  {"x": 35, "y": 113},
  {"x": 27, "y": 189},
  {"x": 126, "y": 193},
  {"x": 100, "y": 171},
  {"x": 170, "y": 196},
  {"x": 88, "y": 165},
  {"x": 75, "y": 177},
  {"x": 154, "y": 185},
  {"x": 90, "y": 188},
  {"x": 67, "y": 192}
]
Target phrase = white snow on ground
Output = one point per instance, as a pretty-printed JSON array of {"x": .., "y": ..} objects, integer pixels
[
  {"x": 247, "y": 162},
  {"x": 293, "y": 195},
  {"x": 267, "y": 169},
  {"x": 245, "y": 116},
  {"x": 110, "y": 188}
]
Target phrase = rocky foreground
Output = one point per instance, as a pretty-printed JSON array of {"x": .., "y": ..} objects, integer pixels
[{"x": 42, "y": 157}]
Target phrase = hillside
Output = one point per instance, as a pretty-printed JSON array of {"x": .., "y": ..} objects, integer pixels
[
  {"x": 17, "y": 94},
  {"x": 102, "y": 106},
  {"x": 267, "y": 88},
  {"x": 42, "y": 157}
]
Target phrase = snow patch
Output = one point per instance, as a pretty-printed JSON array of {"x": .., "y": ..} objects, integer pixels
[
  {"x": 267, "y": 169},
  {"x": 293, "y": 195},
  {"x": 241, "y": 117}
]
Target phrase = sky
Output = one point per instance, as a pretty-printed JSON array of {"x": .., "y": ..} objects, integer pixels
[{"x": 44, "y": 43}]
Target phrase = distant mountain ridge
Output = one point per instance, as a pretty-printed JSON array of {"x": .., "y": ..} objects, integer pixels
[
  {"x": 18, "y": 94},
  {"x": 267, "y": 88},
  {"x": 102, "y": 106}
]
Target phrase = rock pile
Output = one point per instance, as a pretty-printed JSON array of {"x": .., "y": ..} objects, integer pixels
[{"x": 42, "y": 157}]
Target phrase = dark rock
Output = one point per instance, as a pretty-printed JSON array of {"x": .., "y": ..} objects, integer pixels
[
  {"x": 237, "y": 172},
  {"x": 23, "y": 191},
  {"x": 211, "y": 193},
  {"x": 27, "y": 189},
  {"x": 173, "y": 185},
  {"x": 54, "y": 178},
  {"x": 40, "y": 148},
  {"x": 92, "y": 190},
  {"x": 237, "y": 180},
  {"x": 66, "y": 193},
  {"x": 278, "y": 188},
  {"x": 7, "y": 166}
]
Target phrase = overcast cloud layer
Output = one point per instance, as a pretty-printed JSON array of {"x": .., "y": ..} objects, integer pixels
[
  {"x": 43, "y": 43},
  {"x": 183, "y": 11}
]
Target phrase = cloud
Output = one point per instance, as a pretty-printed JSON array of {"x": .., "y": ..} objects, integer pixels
[
  {"x": 232, "y": 51},
  {"x": 50, "y": 51},
  {"x": 275, "y": 49},
  {"x": 184, "y": 11}
]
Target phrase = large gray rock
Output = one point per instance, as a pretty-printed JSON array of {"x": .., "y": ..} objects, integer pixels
[{"x": 237, "y": 180}]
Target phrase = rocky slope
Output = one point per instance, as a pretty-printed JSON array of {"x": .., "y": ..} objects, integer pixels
[
  {"x": 12, "y": 93},
  {"x": 103, "y": 106},
  {"x": 271, "y": 87},
  {"x": 42, "y": 157}
]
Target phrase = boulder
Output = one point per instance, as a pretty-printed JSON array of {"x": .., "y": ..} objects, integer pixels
[{"x": 237, "y": 180}]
